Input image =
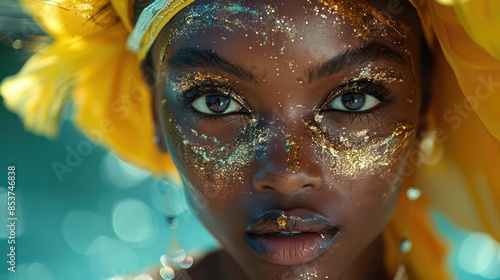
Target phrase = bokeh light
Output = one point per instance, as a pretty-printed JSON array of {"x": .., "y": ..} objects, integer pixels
[
  {"x": 79, "y": 229},
  {"x": 119, "y": 174},
  {"x": 132, "y": 220},
  {"x": 33, "y": 271},
  {"x": 479, "y": 254}
]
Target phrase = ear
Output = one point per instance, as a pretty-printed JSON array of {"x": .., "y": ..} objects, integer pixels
[
  {"x": 157, "y": 103},
  {"x": 427, "y": 70},
  {"x": 157, "y": 109}
]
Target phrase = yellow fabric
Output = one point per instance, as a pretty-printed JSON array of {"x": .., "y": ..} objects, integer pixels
[
  {"x": 89, "y": 64},
  {"x": 463, "y": 183},
  {"x": 112, "y": 104},
  {"x": 159, "y": 23}
]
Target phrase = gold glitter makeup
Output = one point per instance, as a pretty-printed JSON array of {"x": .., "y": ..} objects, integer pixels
[
  {"x": 187, "y": 81},
  {"x": 367, "y": 21},
  {"x": 281, "y": 221},
  {"x": 260, "y": 20},
  {"x": 219, "y": 164},
  {"x": 206, "y": 82},
  {"x": 381, "y": 73},
  {"x": 362, "y": 153},
  {"x": 292, "y": 150}
]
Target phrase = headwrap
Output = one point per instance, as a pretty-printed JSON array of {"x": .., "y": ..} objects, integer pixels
[{"x": 90, "y": 64}]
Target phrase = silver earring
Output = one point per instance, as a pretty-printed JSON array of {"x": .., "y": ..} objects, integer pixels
[
  {"x": 156, "y": 139},
  {"x": 412, "y": 193},
  {"x": 175, "y": 254}
]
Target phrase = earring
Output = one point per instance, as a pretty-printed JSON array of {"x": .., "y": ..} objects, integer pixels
[
  {"x": 156, "y": 139},
  {"x": 176, "y": 255},
  {"x": 430, "y": 150},
  {"x": 412, "y": 193}
]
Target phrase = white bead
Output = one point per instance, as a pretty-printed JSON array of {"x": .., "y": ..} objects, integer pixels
[
  {"x": 405, "y": 246},
  {"x": 413, "y": 193}
]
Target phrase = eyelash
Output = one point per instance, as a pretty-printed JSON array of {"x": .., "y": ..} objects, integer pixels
[
  {"x": 187, "y": 97},
  {"x": 364, "y": 86}
]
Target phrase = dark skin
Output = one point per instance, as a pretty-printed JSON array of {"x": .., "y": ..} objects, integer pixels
[{"x": 275, "y": 92}]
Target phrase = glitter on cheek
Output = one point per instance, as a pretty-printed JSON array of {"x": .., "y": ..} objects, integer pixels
[
  {"x": 217, "y": 164},
  {"x": 363, "y": 153}
]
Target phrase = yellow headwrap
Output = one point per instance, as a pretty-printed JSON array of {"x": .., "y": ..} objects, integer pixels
[{"x": 89, "y": 64}]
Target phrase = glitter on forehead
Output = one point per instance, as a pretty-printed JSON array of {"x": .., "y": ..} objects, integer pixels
[
  {"x": 367, "y": 20},
  {"x": 361, "y": 153},
  {"x": 262, "y": 21}
]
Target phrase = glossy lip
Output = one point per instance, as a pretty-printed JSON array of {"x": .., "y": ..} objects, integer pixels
[{"x": 266, "y": 238}]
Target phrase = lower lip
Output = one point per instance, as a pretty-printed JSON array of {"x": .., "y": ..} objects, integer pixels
[{"x": 291, "y": 250}]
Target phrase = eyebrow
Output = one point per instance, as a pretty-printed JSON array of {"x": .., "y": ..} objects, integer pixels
[
  {"x": 195, "y": 58},
  {"x": 369, "y": 52}
]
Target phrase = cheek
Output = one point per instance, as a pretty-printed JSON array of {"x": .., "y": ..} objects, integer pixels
[
  {"x": 374, "y": 158},
  {"x": 216, "y": 164}
]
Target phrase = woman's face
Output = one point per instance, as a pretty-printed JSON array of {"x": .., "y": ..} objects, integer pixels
[{"x": 289, "y": 122}]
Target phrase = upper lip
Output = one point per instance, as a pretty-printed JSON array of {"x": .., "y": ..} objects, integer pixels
[{"x": 297, "y": 220}]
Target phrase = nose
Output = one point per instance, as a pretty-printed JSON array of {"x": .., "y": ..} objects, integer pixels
[{"x": 289, "y": 165}]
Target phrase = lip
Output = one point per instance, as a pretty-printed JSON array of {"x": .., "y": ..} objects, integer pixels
[{"x": 303, "y": 237}]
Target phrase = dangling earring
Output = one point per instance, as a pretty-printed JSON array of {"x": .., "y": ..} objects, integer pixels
[
  {"x": 156, "y": 139},
  {"x": 175, "y": 254},
  {"x": 412, "y": 193}
]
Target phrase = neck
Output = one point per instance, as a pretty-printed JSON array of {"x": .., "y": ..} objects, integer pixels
[{"x": 370, "y": 263}]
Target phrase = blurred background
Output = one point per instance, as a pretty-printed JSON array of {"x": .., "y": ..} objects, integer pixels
[{"x": 99, "y": 217}]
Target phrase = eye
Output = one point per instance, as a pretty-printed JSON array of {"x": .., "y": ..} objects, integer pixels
[
  {"x": 358, "y": 97},
  {"x": 216, "y": 105},
  {"x": 354, "y": 101}
]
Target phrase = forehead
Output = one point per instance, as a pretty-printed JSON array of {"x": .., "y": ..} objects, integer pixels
[
  {"x": 318, "y": 28},
  {"x": 369, "y": 17}
]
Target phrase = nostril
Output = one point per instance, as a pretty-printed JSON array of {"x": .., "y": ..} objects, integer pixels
[
  {"x": 286, "y": 184},
  {"x": 308, "y": 186},
  {"x": 267, "y": 188}
]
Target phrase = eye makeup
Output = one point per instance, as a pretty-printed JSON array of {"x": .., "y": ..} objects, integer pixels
[
  {"x": 368, "y": 23},
  {"x": 371, "y": 81},
  {"x": 191, "y": 86},
  {"x": 382, "y": 73}
]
